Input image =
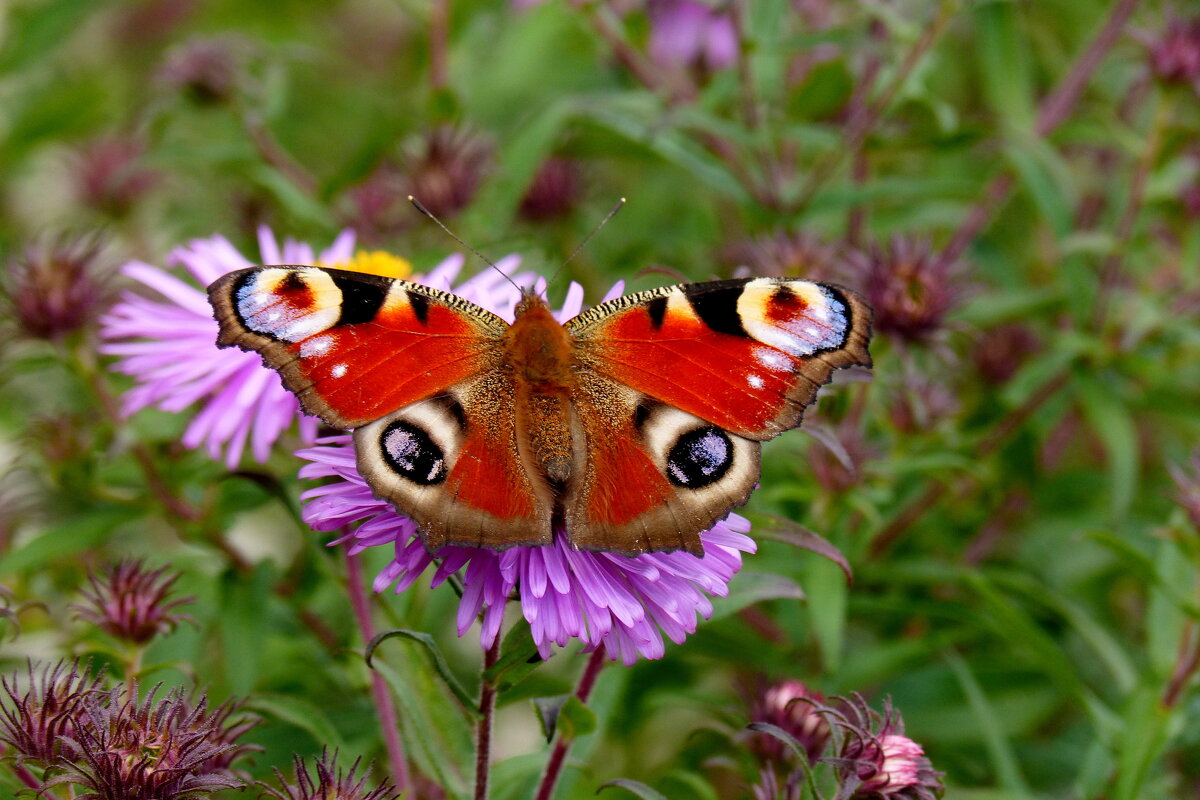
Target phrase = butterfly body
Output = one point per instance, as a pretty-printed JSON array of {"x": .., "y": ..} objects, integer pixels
[{"x": 631, "y": 428}]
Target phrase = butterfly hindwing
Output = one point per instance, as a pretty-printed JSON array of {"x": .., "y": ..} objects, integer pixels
[{"x": 354, "y": 347}]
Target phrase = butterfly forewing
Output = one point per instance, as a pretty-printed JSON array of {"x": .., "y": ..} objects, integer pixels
[{"x": 354, "y": 347}]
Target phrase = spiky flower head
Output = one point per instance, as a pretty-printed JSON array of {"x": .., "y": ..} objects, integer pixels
[
  {"x": 330, "y": 783},
  {"x": 785, "y": 253},
  {"x": 1174, "y": 53},
  {"x": 110, "y": 176},
  {"x": 133, "y": 603},
  {"x": 910, "y": 287},
  {"x": 877, "y": 761},
  {"x": 36, "y": 722},
  {"x": 444, "y": 166},
  {"x": 206, "y": 69},
  {"x": 792, "y": 707},
  {"x": 168, "y": 749},
  {"x": 56, "y": 286},
  {"x": 554, "y": 191},
  {"x": 1002, "y": 350}
]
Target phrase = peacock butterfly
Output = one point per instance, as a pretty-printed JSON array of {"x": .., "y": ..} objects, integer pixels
[{"x": 633, "y": 427}]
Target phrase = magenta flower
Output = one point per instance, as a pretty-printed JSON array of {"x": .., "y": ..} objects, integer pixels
[
  {"x": 624, "y": 603},
  {"x": 169, "y": 347}
]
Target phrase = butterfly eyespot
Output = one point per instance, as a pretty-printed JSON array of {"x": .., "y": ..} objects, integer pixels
[
  {"x": 699, "y": 458},
  {"x": 412, "y": 454}
]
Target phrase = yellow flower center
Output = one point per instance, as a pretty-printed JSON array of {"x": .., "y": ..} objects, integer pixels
[{"x": 377, "y": 262}]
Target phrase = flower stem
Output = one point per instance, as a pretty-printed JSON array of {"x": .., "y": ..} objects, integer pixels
[
  {"x": 439, "y": 35},
  {"x": 388, "y": 721},
  {"x": 558, "y": 756},
  {"x": 483, "y": 733}
]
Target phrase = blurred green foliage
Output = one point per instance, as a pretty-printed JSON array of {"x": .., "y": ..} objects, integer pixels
[{"x": 1025, "y": 570}]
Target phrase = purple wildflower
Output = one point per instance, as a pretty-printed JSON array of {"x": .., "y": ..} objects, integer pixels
[
  {"x": 624, "y": 603},
  {"x": 792, "y": 707},
  {"x": 169, "y": 347},
  {"x": 56, "y": 287},
  {"x": 877, "y": 760},
  {"x": 685, "y": 33}
]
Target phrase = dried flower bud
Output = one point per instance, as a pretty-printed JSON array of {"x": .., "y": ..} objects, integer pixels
[
  {"x": 554, "y": 191},
  {"x": 207, "y": 70},
  {"x": 877, "y": 760},
  {"x": 793, "y": 254},
  {"x": 168, "y": 749},
  {"x": 56, "y": 287},
  {"x": 1001, "y": 351},
  {"x": 36, "y": 723},
  {"x": 330, "y": 783},
  {"x": 1187, "y": 481},
  {"x": 1175, "y": 53},
  {"x": 790, "y": 706},
  {"x": 109, "y": 177},
  {"x": 910, "y": 288},
  {"x": 133, "y": 603},
  {"x": 444, "y": 168},
  {"x": 922, "y": 402}
]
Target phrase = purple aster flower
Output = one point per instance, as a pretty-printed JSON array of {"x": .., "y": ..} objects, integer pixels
[
  {"x": 169, "y": 346},
  {"x": 686, "y": 33},
  {"x": 624, "y": 603}
]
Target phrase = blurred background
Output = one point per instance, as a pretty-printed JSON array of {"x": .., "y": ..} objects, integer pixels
[{"x": 1014, "y": 186}]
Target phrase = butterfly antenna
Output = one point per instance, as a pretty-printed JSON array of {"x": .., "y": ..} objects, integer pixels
[
  {"x": 620, "y": 204},
  {"x": 417, "y": 205}
]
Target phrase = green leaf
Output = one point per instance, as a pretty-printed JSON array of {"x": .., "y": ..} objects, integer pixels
[
  {"x": 1145, "y": 732},
  {"x": 633, "y": 787},
  {"x": 296, "y": 710},
  {"x": 827, "y": 594},
  {"x": 755, "y": 587},
  {"x": 63, "y": 541},
  {"x": 518, "y": 658},
  {"x": 435, "y": 729},
  {"x": 575, "y": 719},
  {"x": 435, "y": 657},
  {"x": 1003, "y": 61},
  {"x": 36, "y": 30},
  {"x": 987, "y": 719},
  {"x": 784, "y": 530},
  {"x": 242, "y": 625},
  {"x": 1112, "y": 422}
]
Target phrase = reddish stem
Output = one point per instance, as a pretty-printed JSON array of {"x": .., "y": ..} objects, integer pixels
[
  {"x": 389, "y": 723},
  {"x": 1185, "y": 665},
  {"x": 558, "y": 756},
  {"x": 483, "y": 733}
]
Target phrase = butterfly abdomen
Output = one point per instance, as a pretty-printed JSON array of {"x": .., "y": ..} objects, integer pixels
[{"x": 538, "y": 351}]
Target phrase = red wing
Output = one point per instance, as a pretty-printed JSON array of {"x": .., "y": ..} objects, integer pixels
[
  {"x": 354, "y": 347},
  {"x": 746, "y": 355}
]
